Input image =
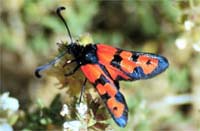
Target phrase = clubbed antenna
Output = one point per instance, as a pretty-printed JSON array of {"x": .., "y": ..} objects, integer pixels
[
  {"x": 58, "y": 11},
  {"x": 57, "y": 59}
]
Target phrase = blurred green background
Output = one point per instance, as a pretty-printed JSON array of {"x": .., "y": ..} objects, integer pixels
[{"x": 30, "y": 29}]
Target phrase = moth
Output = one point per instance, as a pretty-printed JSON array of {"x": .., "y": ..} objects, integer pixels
[{"x": 104, "y": 66}]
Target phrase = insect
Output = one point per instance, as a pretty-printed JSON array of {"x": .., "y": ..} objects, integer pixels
[{"x": 104, "y": 66}]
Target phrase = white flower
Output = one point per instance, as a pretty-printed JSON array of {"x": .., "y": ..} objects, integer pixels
[
  {"x": 8, "y": 103},
  {"x": 72, "y": 125},
  {"x": 64, "y": 111},
  {"x": 9, "y": 106},
  {"x": 196, "y": 46},
  {"x": 181, "y": 43},
  {"x": 5, "y": 127},
  {"x": 81, "y": 108},
  {"x": 188, "y": 25}
]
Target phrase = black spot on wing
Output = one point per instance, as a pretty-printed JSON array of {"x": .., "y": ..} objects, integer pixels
[
  {"x": 105, "y": 97},
  {"x": 135, "y": 57},
  {"x": 116, "y": 61},
  {"x": 117, "y": 58},
  {"x": 101, "y": 80},
  {"x": 148, "y": 62}
]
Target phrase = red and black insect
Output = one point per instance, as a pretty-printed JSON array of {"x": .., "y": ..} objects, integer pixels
[{"x": 104, "y": 66}]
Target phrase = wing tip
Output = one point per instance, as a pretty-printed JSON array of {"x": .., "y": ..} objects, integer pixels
[
  {"x": 163, "y": 64},
  {"x": 121, "y": 121}
]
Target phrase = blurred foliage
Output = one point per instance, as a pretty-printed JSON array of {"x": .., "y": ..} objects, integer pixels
[
  {"x": 44, "y": 117},
  {"x": 181, "y": 82},
  {"x": 30, "y": 29}
]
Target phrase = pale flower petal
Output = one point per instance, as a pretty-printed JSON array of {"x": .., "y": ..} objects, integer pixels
[
  {"x": 8, "y": 103},
  {"x": 72, "y": 125},
  {"x": 5, "y": 127},
  {"x": 82, "y": 109},
  {"x": 196, "y": 46},
  {"x": 188, "y": 25},
  {"x": 64, "y": 111},
  {"x": 181, "y": 43}
]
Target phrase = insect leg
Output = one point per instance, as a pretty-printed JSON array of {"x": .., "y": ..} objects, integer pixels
[
  {"x": 82, "y": 90},
  {"x": 73, "y": 71}
]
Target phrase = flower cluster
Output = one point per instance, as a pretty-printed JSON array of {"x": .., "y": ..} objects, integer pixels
[
  {"x": 8, "y": 112},
  {"x": 85, "y": 115}
]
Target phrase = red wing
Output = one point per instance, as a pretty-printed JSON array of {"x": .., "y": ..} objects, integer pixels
[
  {"x": 130, "y": 65},
  {"x": 108, "y": 91}
]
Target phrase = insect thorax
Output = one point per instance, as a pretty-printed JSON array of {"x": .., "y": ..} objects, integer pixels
[{"x": 83, "y": 54}]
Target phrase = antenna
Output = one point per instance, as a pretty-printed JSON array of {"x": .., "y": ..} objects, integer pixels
[
  {"x": 58, "y": 11},
  {"x": 48, "y": 65}
]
